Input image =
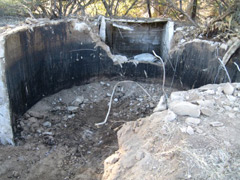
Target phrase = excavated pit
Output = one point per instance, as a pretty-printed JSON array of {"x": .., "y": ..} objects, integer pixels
[
  {"x": 63, "y": 125},
  {"x": 55, "y": 135},
  {"x": 39, "y": 61}
]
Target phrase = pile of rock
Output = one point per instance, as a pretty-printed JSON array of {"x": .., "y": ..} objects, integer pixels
[{"x": 195, "y": 138}]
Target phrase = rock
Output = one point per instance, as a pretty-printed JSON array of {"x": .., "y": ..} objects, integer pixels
[
  {"x": 231, "y": 98},
  {"x": 151, "y": 105},
  {"x": 47, "y": 124},
  {"x": 34, "y": 126},
  {"x": 231, "y": 115},
  {"x": 199, "y": 131},
  {"x": 219, "y": 91},
  {"x": 177, "y": 96},
  {"x": 185, "y": 108},
  {"x": 236, "y": 109},
  {"x": 228, "y": 108},
  {"x": 112, "y": 159},
  {"x": 190, "y": 130},
  {"x": 35, "y": 114},
  {"x": 22, "y": 124},
  {"x": 108, "y": 95},
  {"x": 183, "y": 129},
  {"x": 207, "y": 112},
  {"x": 228, "y": 89},
  {"x": 82, "y": 106},
  {"x": 171, "y": 116},
  {"x": 72, "y": 108},
  {"x": 47, "y": 133},
  {"x": 128, "y": 162},
  {"x": 15, "y": 174},
  {"x": 115, "y": 114},
  {"x": 161, "y": 105},
  {"x": 32, "y": 120},
  {"x": 140, "y": 99},
  {"x": 79, "y": 100},
  {"x": 39, "y": 130},
  {"x": 26, "y": 116},
  {"x": 208, "y": 87},
  {"x": 71, "y": 116},
  {"x": 192, "y": 121},
  {"x": 206, "y": 103},
  {"x": 216, "y": 124},
  {"x": 139, "y": 155},
  {"x": 102, "y": 83},
  {"x": 210, "y": 92}
]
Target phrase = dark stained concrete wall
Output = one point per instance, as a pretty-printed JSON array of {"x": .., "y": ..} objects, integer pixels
[
  {"x": 55, "y": 57},
  {"x": 144, "y": 38},
  {"x": 197, "y": 64}
]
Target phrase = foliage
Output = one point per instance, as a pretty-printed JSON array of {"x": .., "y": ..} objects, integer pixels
[
  {"x": 201, "y": 12},
  {"x": 8, "y": 7}
]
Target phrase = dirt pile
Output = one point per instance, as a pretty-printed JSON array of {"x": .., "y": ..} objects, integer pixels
[
  {"x": 58, "y": 139},
  {"x": 196, "y": 138}
]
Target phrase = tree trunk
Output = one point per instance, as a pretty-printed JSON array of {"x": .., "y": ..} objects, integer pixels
[
  {"x": 180, "y": 4},
  {"x": 55, "y": 5},
  {"x": 171, "y": 4},
  {"x": 107, "y": 7},
  {"x": 149, "y": 8},
  {"x": 60, "y": 8},
  {"x": 194, "y": 10}
]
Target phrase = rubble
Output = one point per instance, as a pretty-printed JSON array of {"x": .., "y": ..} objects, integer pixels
[
  {"x": 62, "y": 128},
  {"x": 167, "y": 145},
  {"x": 192, "y": 121},
  {"x": 228, "y": 89},
  {"x": 185, "y": 108}
]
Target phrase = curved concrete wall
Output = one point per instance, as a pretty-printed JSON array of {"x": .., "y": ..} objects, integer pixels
[
  {"x": 39, "y": 60},
  {"x": 197, "y": 63}
]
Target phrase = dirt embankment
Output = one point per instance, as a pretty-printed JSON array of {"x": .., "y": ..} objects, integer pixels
[{"x": 196, "y": 138}]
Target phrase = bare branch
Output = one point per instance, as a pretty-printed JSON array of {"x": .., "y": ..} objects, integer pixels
[
  {"x": 164, "y": 71},
  {"x": 237, "y": 66},
  {"x": 221, "y": 17},
  {"x": 225, "y": 69},
  {"x": 107, "y": 7},
  {"x": 116, "y": 8},
  {"x": 28, "y": 10},
  {"x": 181, "y": 11},
  {"x": 133, "y": 4}
]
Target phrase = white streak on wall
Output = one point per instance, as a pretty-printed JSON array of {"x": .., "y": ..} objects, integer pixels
[
  {"x": 6, "y": 133},
  {"x": 167, "y": 38},
  {"x": 102, "y": 31},
  {"x": 128, "y": 28}
]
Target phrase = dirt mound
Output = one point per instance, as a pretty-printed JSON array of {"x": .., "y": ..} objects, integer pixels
[
  {"x": 173, "y": 145},
  {"x": 58, "y": 139}
]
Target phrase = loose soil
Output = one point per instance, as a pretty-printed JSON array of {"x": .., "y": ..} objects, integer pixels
[{"x": 58, "y": 139}]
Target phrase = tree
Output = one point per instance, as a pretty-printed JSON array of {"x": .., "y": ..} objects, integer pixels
[
  {"x": 149, "y": 8},
  {"x": 194, "y": 10}
]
